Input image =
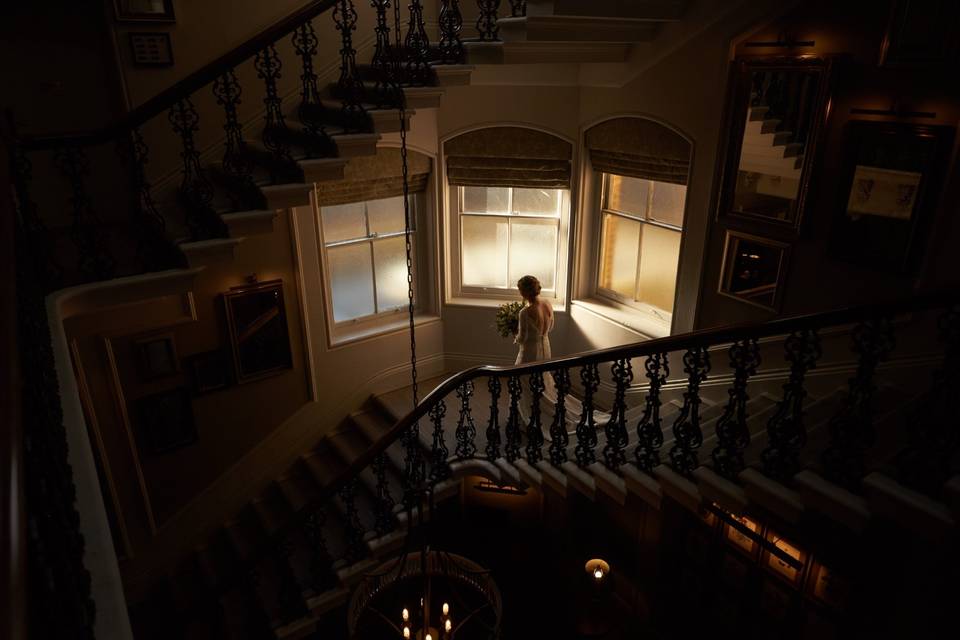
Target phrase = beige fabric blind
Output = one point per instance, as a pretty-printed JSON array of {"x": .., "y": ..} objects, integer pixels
[
  {"x": 377, "y": 176},
  {"x": 639, "y": 148},
  {"x": 508, "y": 157}
]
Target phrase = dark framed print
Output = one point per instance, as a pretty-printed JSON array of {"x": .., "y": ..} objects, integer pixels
[
  {"x": 209, "y": 371},
  {"x": 754, "y": 269},
  {"x": 156, "y": 357},
  {"x": 739, "y": 539},
  {"x": 790, "y": 572},
  {"x": 890, "y": 186},
  {"x": 920, "y": 33},
  {"x": 166, "y": 420},
  {"x": 144, "y": 10},
  {"x": 257, "y": 324},
  {"x": 151, "y": 49},
  {"x": 777, "y": 111}
]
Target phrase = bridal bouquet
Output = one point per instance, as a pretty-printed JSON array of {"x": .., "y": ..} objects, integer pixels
[{"x": 508, "y": 319}]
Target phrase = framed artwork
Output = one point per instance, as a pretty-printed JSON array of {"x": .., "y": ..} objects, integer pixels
[
  {"x": 151, "y": 49},
  {"x": 891, "y": 182},
  {"x": 156, "y": 357},
  {"x": 828, "y": 587},
  {"x": 739, "y": 539},
  {"x": 257, "y": 325},
  {"x": 777, "y": 112},
  {"x": 791, "y": 573},
  {"x": 144, "y": 10},
  {"x": 166, "y": 420},
  {"x": 209, "y": 371},
  {"x": 754, "y": 269},
  {"x": 920, "y": 33}
]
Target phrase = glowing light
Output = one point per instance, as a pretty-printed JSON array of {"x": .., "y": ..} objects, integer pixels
[
  {"x": 428, "y": 637},
  {"x": 598, "y": 573},
  {"x": 405, "y": 615},
  {"x": 446, "y": 609},
  {"x": 447, "y": 626},
  {"x": 406, "y": 633}
]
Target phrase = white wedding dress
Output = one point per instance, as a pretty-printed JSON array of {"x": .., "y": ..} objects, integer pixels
[{"x": 532, "y": 338}]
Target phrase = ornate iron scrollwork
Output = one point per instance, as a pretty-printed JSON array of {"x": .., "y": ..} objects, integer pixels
[
  {"x": 236, "y": 163},
  {"x": 383, "y": 63},
  {"x": 518, "y": 8},
  {"x": 451, "y": 22},
  {"x": 417, "y": 47},
  {"x": 534, "y": 429},
  {"x": 46, "y": 267},
  {"x": 512, "y": 448},
  {"x": 289, "y": 593},
  {"x": 487, "y": 20},
  {"x": 196, "y": 192},
  {"x": 786, "y": 434},
  {"x": 493, "y": 424},
  {"x": 439, "y": 453},
  {"x": 614, "y": 451},
  {"x": 466, "y": 431},
  {"x": 352, "y": 524},
  {"x": 559, "y": 440},
  {"x": 311, "y": 109},
  {"x": 587, "y": 426},
  {"x": 649, "y": 429},
  {"x": 686, "y": 429},
  {"x": 383, "y": 516},
  {"x": 257, "y": 622},
  {"x": 733, "y": 434},
  {"x": 322, "y": 576},
  {"x": 276, "y": 134},
  {"x": 349, "y": 85}
]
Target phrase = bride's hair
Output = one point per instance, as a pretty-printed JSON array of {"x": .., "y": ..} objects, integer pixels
[{"x": 529, "y": 286}]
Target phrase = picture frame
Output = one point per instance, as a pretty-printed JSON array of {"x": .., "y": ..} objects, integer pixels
[
  {"x": 919, "y": 34},
  {"x": 144, "y": 10},
  {"x": 827, "y": 587},
  {"x": 257, "y": 326},
  {"x": 753, "y": 269},
  {"x": 739, "y": 540},
  {"x": 780, "y": 568},
  {"x": 166, "y": 420},
  {"x": 890, "y": 183},
  {"x": 151, "y": 48},
  {"x": 209, "y": 371},
  {"x": 776, "y": 114},
  {"x": 156, "y": 357}
]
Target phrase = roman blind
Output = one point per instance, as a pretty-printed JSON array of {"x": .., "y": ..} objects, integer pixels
[
  {"x": 508, "y": 157},
  {"x": 639, "y": 148},
  {"x": 377, "y": 176}
]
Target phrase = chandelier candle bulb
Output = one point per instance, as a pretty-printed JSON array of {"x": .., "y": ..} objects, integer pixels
[
  {"x": 446, "y": 609},
  {"x": 448, "y": 625},
  {"x": 406, "y": 633}
]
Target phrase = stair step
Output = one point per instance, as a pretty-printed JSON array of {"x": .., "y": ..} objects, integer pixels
[
  {"x": 635, "y": 9},
  {"x": 250, "y": 223},
  {"x": 591, "y": 29}
]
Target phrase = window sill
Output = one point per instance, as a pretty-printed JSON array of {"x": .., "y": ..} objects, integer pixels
[
  {"x": 493, "y": 303},
  {"x": 351, "y": 334},
  {"x": 635, "y": 320}
]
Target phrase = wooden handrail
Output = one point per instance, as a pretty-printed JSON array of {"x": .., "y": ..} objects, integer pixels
[{"x": 183, "y": 88}]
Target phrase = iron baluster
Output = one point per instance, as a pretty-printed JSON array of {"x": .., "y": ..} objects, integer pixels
[
  {"x": 559, "y": 440},
  {"x": 354, "y": 528},
  {"x": 416, "y": 45},
  {"x": 466, "y": 429},
  {"x": 349, "y": 85},
  {"x": 37, "y": 237},
  {"x": 258, "y": 622},
  {"x": 493, "y": 424},
  {"x": 518, "y": 8},
  {"x": 289, "y": 593},
  {"x": 852, "y": 428},
  {"x": 513, "y": 436},
  {"x": 196, "y": 192},
  {"x": 686, "y": 429},
  {"x": 649, "y": 429},
  {"x": 534, "y": 427},
  {"x": 614, "y": 451},
  {"x": 439, "y": 453},
  {"x": 733, "y": 434},
  {"x": 383, "y": 516},
  {"x": 382, "y": 63},
  {"x": 584, "y": 452},
  {"x": 237, "y": 164},
  {"x": 487, "y": 20},
  {"x": 276, "y": 134},
  {"x": 94, "y": 261},
  {"x": 311, "y": 110},
  {"x": 786, "y": 433},
  {"x": 322, "y": 576},
  {"x": 451, "y": 22}
]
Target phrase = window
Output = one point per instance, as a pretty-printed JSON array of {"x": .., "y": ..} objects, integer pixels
[
  {"x": 366, "y": 258},
  {"x": 506, "y": 233},
  {"x": 641, "y": 226}
]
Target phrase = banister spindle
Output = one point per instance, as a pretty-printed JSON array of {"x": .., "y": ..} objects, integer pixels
[
  {"x": 352, "y": 524},
  {"x": 257, "y": 622},
  {"x": 383, "y": 516},
  {"x": 382, "y": 63},
  {"x": 534, "y": 448},
  {"x": 349, "y": 85},
  {"x": 322, "y": 576},
  {"x": 614, "y": 451},
  {"x": 733, "y": 434},
  {"x": 289, "y": 594},
  {"x": 559, "y": 440},
  {"x": 276, "y": 134},
  {"x": 94, "y": 261},
  {"x": 311, "y": 110},
  {"x": 518, "y": 8},
  {"x": 466, "y": 432},
  {"x": 649, "y": 428},
  {"x": 587, "y": 426},
  {"x": 852, "y": 428},
  {"x": 493, "y": 424},
  {"x": 686, "y": 429},
  {"x": 786, "y": 434},
  {"x": 439, "y": 453},
  {"x": 416, "y": 44},
  {"x": 414, "y": 465},
  {"x": 196, "y": 192},
  {"x": 45, "y": 264},
  {"x": 512, "y": 448},
  {"x": 451, "y": 22},
  {"x": 236, "y": 163},
  {"x": 487, "y": 20}
]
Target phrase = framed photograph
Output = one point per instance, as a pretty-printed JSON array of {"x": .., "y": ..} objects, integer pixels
[
  {"x": 828, "y": 587},
  {"x": 210, "y": 371},
  {"x": 891, "y": 183},
  {"x": 166, "y": 420},
  {"x": 792, "y": 573},
  {"x": 144, "y": 10},
  {"x": 920, "y": 33},
  {"x": 257, "y": 324},
  {"x": 776, "y": 113},
  {"x": 151, "y": 49},
  {"x": 754, "y": 269},
  {"x": 156, "y": 357},
  {"x": 739, "y": 540}
]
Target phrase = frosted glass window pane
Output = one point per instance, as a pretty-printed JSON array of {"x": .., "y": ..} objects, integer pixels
[
  {"x": 533, "y": 250},
  {"x": 628, "y": 195},
  {"x": 390, "y": 258},
  {"x": 484, "y": 251},
  {"x": 343, "y": 222},
  {"x": 351, "y": 281},
  {"x": 386, "y": 215},
  {"x": 619, "y": 255},
  {"x": 659, "y": 255},
  {"x": 537, "y": 202},
  {"x": 668, "y": 201},
  {"x": 486, "y": 199}
]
